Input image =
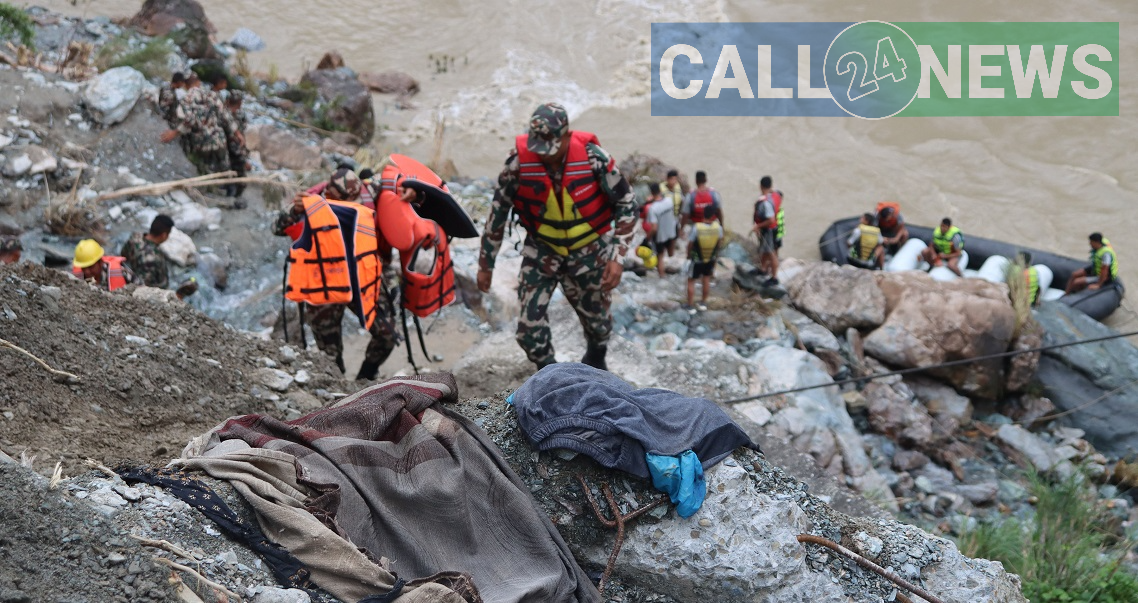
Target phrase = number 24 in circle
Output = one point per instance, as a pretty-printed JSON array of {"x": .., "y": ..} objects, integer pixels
[{"x": 886, "y": 63}]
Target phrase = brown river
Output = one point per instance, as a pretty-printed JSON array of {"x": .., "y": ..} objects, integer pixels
[{"x": 1045, "y": 182}]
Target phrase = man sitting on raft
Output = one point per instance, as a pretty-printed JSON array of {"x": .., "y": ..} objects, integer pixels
[
  {"x": 1102, "y": 270},
  {"x": 946, "y": 247}
]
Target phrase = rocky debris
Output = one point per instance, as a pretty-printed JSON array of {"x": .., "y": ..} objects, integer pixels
[
  {"x": 58, "y": 547},
  {"x": 1032, "y": 449},
  {"x": 161, "y": 372},
  {"x": 280, "y": 148},
  {"x": 390, "y": 82},
  {"x": 112, "y": 95},
  {"x": 246, "y": 39},
  {"x": 973, "y": 318},
  {"x": 1021, "y": 369},
  {"x": 1102, "y": 372},
  {"x": 860, "y": 305},
  {"x": 342, "y": 101},
  {"x": 947, "y": 407},
  {"x": 753, "y": 511}
]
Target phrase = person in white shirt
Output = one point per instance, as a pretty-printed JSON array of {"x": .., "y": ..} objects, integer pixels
[{"x": 664, "y": 226}]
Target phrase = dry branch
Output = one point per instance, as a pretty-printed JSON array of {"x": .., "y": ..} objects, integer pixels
[{"x": 8, "y": 344}]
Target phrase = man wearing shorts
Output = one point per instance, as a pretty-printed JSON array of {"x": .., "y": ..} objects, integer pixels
[
  {"x": 767, "y": 230},
  {"x": 665, "y": 227},
  {"x": 704, "y": 243}
]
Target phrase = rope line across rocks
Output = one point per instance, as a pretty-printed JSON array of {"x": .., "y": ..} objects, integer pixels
[{"x": 920, "y": 369}]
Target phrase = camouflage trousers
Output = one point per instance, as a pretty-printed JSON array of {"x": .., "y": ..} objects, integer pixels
[
  {"x": 209, "y": 162},
  {"x": 579, "y": 274},
  {"x": 326, "y": 324}
]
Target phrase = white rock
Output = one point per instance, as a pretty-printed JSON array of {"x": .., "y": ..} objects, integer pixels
[
  {"x": 179, "y": 248},
  {"x": 115, "y": 213},
  {"x": 302, "y": 377},
  {"x": 1031, "y": 446},
  {"x": 17, "y": 166},
  {"x": 42, "y": 160},
  {"x": 155, "y": 295},
  {"x": 288, "y": 355},
  {"x": 180, "y": 196},
  {"x": 128, "y": 493},
  {"x": 192, "y": 217},
  {"x": 5, "y": 141},
  {"x": 112, "y": 95},
  {"x": 247, "y": 39},
  {"x": 756, "y": 412},
  {"x": 274, "y": 379},
  {"x": 136, "y": 340},
  {"x": 271, "y": 594}
]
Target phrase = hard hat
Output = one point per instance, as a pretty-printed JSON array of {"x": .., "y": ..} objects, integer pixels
[{"x": 87, "y": 252}]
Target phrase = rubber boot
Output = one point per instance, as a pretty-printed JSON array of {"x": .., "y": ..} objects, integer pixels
[
  {"x": 595, "y": 356},
  {"x": 340, "y": 363},
  {"x": 368, "y": 371}
]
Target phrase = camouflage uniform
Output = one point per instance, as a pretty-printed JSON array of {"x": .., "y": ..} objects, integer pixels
[
  {"x": 326, "y": 320},
  {"x": 579, "y": 273},
  {"x": 146, "y": 261},
  {"x": 199, "y": 120},
  {"x": 168, "y": 104}
]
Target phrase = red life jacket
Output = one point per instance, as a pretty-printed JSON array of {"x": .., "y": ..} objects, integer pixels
[
  {"x": 887, "y": 212},
  {"x": 701, "y": 205},
  {"x": 427, "y": 293},
  {"x": 535, "y": 190},
  {"x": 112, "y": 267},
  {"x": 776, "y": 200}
]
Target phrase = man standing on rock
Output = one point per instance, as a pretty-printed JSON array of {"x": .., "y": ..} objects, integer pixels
[
  {"x": 198, "y": 122},
  {"x": 326, "y": 320},
  {"x": 567, "y": 193},
  {"x": 10, "y": 250},
  {"x": 769, "y": 228}
]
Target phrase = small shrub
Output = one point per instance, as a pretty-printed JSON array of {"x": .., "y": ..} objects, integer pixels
[
  {"x": 14, "y": 22},
  {"x": 1060, "y": 553},
  {"x": 152, "y": 59},
  {"x": 1018, "y": 292}
]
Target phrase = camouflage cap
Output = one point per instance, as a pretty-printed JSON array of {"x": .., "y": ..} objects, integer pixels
[
  {"x": 10, "y": 245},
  {"x": 549, "y": 123},
  {"x": 345, "y": 181}
]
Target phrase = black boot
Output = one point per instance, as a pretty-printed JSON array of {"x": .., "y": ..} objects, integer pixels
[
  {"x": 368, "y": 371},
  {"x": 595, "y": 356},
  {"x": 541, "y": 365},
  {"x": 340, "y": 363}
]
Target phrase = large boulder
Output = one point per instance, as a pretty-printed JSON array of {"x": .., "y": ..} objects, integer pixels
[
  {"x": 342, "y": 102},
  {"x": 815, "y": 421},
  {"x": 1101, "y": 372},
  {"x": 390, "y": 82},
  {"x": 183, "y": 20},
  {"x": 112, "y": 95},
  {"x": 929, "y": 322},
  {"x": 179, "y": 248},
  {"x": 837, "y": 297},
  {"x": 280, "y": 148}
]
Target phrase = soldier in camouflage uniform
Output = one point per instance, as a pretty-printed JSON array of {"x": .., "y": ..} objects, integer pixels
[
  {"x": 198, "y": 121},
  {"x": 168, "y": 98},
  {"x": 146, "y": 260},
  {"x": 588, "y": 274},
  {"x": 235, "y": 123},
  {"x": 326, "y": 320}
]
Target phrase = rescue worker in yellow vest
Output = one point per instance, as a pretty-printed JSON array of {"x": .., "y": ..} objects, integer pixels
[
  {"x": 1103, "y": 269},
  {"x": 326, "y": 319},
  {"x": 1030, "y": 278},
  {"x": 704, "y": 243},
  {"x": 866, "y": 245},
  {"x": 946, "y": 247},
  {"x": 579, "y": 214},
  {"x": 104, "y": 271},
  {"x": 674, "y": 192}
]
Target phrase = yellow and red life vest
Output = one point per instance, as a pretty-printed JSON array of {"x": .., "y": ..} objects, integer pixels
[
  {"x": 583, "y": 212},
  {"x": 336, "y": 258},
  {"x": 112, "y": 268}
]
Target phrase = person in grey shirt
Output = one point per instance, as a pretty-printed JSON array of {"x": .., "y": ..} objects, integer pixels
[{"x": 665, "y": 228}]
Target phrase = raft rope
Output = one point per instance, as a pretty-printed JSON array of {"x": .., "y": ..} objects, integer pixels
[{"x": 920, "y": 369}]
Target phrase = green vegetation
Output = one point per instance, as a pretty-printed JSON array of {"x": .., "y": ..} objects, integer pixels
[
  {"x": 152, "y": 59},
  {"x": 1019, "y": 293},
  {"x": 14, "y": 22},
  {"x": 1062, "y": 554}
]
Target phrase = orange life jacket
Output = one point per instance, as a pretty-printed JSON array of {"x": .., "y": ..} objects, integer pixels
[
  {"x": 535, "y": 189},
  {"x": 112, "y": 267},
  {"x": 329, "y": 267},
  {"x": 425, "y": 294},
  {"x": 701, "y": 205},
  {"x": 889, "y": 219}
]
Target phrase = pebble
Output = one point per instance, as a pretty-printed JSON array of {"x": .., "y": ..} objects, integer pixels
[
  {"x": 302, "y": 377},
  {"x": 135, "y": 340}
]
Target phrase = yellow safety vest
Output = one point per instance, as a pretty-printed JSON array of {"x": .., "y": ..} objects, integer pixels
[
  {"x": 707, "y": 240},
  {"x": 870, "y": 238},
  {"x": 1096, "y": 259},
  {"x": 565, "y": 211},
  {"x": 943, "y": 240},
  {"x": 676, "y": 194}
]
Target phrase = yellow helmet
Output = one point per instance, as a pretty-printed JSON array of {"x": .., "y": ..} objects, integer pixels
[{"x": 87, "y": 252}]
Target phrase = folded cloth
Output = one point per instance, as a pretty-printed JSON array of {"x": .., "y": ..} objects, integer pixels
[
  {"x": 419, "y": 489},
  {"x": 593, "y": 412}
]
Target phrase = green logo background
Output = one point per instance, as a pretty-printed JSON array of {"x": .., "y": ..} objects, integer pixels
[{"x": 873, "y": 69}]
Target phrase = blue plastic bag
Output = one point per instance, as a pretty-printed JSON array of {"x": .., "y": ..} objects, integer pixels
[{"x": 681, "y": 478}]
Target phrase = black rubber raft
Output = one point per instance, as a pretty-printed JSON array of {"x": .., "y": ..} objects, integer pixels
[{"x": 1097, "y": 304}]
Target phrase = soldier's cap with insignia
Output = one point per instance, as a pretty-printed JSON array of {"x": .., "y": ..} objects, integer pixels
[
  {"x": 546, "y": 127},
  {"x": 10, "y": 245},
  {"x": 345, "y": 181}
]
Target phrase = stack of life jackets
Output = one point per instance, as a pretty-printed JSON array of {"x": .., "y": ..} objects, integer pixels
[
  {"x": 335, "y": 259},
  {"x": 580, "y": 216},
  {"x": 112, "y": 267},
  {"x": 424, "y": 291}
]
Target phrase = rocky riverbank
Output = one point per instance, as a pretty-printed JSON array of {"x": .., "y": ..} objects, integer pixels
[{"x": 942, "y": 451}]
